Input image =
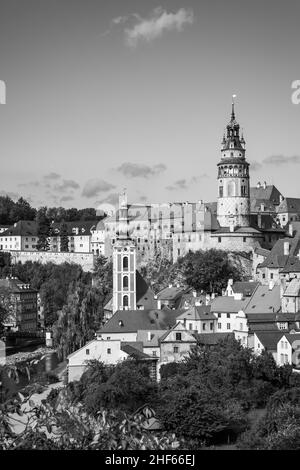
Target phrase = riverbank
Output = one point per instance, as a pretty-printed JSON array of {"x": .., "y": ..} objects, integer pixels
[{"x": 28, "y": 356}]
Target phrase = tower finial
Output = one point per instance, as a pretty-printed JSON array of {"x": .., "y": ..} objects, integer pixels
[{"x": 232, "y": 109}]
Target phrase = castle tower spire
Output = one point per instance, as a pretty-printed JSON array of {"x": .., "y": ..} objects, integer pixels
[{"x": 233, "y": 207}]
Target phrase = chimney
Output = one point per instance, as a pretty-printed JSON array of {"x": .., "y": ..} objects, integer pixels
[
  {"x": 149, "y": 336},
  {"x": 265, "y": 185},
  {"x": 280, "y": 198},
  {"x": 291, "y": 232},
  {"x": 262, "y": 207},
  {"x": 258, "y": 185},
  {"x": 286, "y": 248},
  {"x": 271, "y": 285}
]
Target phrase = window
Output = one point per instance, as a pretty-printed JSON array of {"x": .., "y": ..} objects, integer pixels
[
  {"x": 211, "y": 326},
  {"x": 244, "y": 239},
  {"x": 271, "y": 276},
  {"x": 87, "y": 352},
  {"x": 204, "y": 326},
  {"x": 190, "y": 326},
  {"x": 125, "y": 301},
  {"x": 153, "y": 353},
  {"x": 241, "y": 326},
  {"x": 108, "y": 351},
  {"x": 125, "y": 263},
  {"x": 219, "y": 326},
  {"x": 228, "y": 315},
  {"x": 220, "y": 191},
  {"x": 219, "y": 239},
  {"x": 178, "y": 336},
  {"x": 125, "y": 282},
  {"x": 228, "y": 326},
  {"x": 175, "y": 349}
]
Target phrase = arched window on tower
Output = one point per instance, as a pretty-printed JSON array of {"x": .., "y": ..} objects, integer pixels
[
  {"x": 125, "y": 263},
  {"x": 230, "y": 189},
  {"x": 125, "y": 301},
  {"x": 125, "y": 282}
]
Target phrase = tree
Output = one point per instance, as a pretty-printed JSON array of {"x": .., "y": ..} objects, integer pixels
[
  {"x": 22, "y": 210},
  {"x": 208, "y": 270},
  {"x": 126, "y": 389},
  {"x": 64, "y": 239},
  {"x": 43, "y": 230},
  {"x": 78, "y": 320}
]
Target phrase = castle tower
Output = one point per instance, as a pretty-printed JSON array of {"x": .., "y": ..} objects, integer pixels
[
  {"x": 124, "y": 262},
  {"x": 233, "y": 179}
]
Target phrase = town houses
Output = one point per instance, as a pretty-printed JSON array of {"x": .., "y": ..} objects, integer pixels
[{"x": 258, "y": 223}]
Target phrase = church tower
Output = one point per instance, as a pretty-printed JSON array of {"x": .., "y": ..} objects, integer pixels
[
  {"x": 124, "y": 262},
  {"x": 233, "y": 179}
]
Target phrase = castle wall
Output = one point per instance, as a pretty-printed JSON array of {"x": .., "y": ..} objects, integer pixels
[{"x": 85, "y": 260}]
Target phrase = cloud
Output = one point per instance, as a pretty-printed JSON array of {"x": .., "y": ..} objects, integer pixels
[
  {"x": 112, "y": 199},
  {"x": 159, "y": 21},
  {"x": 10, "y": 194},
  {"x": 255, "y": 166},
  {"x": 66, "y": 199},
  {"x": 52, "y": 176},
  {"x": 281, "y": 159},
  {"x": 137, "y": 170},
  {"x": 30, "y": 184},
  {"x": 66, "y": 185},
  {"x": 185, "y": 183},
  {"x": 95, "y": 186}
]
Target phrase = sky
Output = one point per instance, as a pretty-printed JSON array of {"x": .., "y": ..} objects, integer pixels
[{"x": 106, "y": 95}]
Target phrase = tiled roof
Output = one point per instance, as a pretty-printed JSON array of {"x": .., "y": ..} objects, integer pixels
[
  {"x": 132, "y": 350},
  {"x": 228, "y": 304},
  {"x": 244, "y": 287},
  {"x": 291, "y": 337},
  {"x": 23, "y": 227},
  {"x": 292, "y": 265},
  {"x": 269, "y": 193},
  {"x": 293, "y": 288},
  {"x": 171, "y": 293},
  {"x": 289, "y": 204},
  {"x": 202, "y": 312},
  {"x": 261, "y": 251},
  {"x": 277, "y": 258},
  {"x": 14, "y": 285},
  {"x": 142, "y": 335},
  {"x": 75, "y": 228},
  {"x": 269, "y": 339},
  {"x": 211, "y": 338},
  {"x": 128, "y": 321},
  {"x": 264, "y": 300}
]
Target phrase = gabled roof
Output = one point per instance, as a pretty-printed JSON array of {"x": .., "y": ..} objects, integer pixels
[
  {"x": 178, "y": 328},
  {"x": 291, "y": 337},
  {"x": 289, "y": 204},
  {"x": 202, "y": 312},
  {"x": 292, "y": 265},
  {"x": 226, "y": 304},
  {"x": 246, "y": 288},
  {"x": 78, "y": 227},
  {"x": 21, "y": 228},
  {"x": 266, "y": 193},
  {"x": 261, "y": 251},
  {"x": 264, "y": 300},
  {"x": 211, "y": 338},
  {"x": 14, "y": 285},
  {"x": 142, "y": 335},
  {"x": 277, "y": 258},
  {"x": 133, "y": 350},
  {"x": 269, "y": 339},
  {"x": 293, "y": 289},
  {"x": 172, "y": 292},
  {"x": 129, "y": 321}
]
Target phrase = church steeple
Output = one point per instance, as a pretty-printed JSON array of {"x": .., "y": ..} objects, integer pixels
[{"x": 124, "y": 261}]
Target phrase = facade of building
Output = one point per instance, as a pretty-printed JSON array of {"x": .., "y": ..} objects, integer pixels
[{"x": 20, "y": 302}]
